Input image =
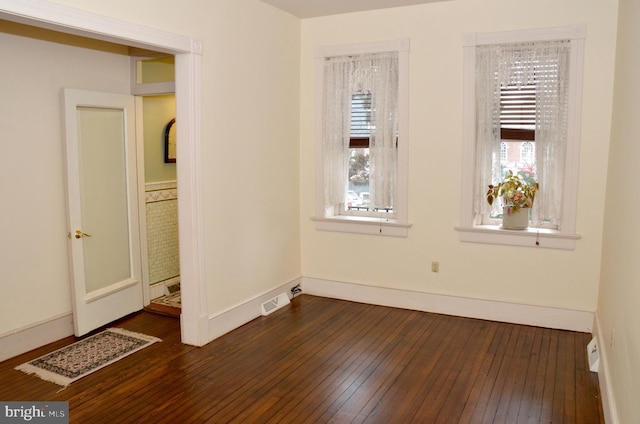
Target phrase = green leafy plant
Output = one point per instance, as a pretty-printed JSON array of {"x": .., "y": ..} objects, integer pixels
[{"x": 514, "y": 191}]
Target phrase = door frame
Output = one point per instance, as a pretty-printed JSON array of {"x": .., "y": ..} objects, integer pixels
[
  {"x": 93, "y": 308},
  {"x": 188, "y": 64}
]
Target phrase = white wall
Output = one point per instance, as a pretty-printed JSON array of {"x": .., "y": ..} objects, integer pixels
[
  {"x": 250, "y": 87},
  {"x": 619, "y": 301},
  {"x": 258, "y": 154},
  {"x": 531, "y": 276},
  {"x": 33, "y": 243},
  {"x": 250, "y": 137}
]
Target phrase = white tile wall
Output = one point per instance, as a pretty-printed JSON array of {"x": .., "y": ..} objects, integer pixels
[{"x": 162, "y": 234}]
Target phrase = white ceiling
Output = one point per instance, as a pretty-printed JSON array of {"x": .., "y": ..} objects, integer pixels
[{"x": 315, "y": 8}]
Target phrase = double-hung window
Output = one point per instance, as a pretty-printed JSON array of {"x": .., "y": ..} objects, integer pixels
[
  {"x": 362, "y": 138},
  {"x": 522, "y": 108}
]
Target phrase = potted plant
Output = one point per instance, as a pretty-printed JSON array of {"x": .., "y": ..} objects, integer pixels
[{"x": 517, "y": 198}]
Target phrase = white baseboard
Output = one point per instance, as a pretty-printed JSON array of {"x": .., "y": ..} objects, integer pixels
[
  {"x": 39, "y": 334},
  {"x": 158, "y": 289},
  {"x": 36, "y": 335},
  {"x": 218, "y": 324},
  {"x": 539, "y": 316},
  {"x": 609, "y": 408},
  {"x": 240, "y": 314}
]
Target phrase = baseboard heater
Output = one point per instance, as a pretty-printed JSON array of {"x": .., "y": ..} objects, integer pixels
[{"x": 274, "y": 304}]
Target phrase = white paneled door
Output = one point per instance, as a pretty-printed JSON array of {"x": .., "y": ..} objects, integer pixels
[{"x": 102, "y": 191}]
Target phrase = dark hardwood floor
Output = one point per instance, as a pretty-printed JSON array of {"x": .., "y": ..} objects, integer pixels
[{"x": 323, "y": 360}]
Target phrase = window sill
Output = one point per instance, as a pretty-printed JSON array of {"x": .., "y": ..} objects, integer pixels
[
  {"x": 362, "y": 225},
  {"x": 531, "y": 237}
]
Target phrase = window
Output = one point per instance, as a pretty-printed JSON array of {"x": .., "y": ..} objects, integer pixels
[
  {"x": 522, "y": 108},
  {"x": 527, "y": 156},
  {"x": 358, "y": 196},
  {"x": 504, "y": 151},
  {"x": 362, "y": 138}
]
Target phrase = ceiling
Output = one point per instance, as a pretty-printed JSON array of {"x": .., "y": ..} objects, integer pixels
[{"x": 315, "y": 8}]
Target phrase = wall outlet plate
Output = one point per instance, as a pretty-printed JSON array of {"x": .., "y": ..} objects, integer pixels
[{"x": 435, "y": 266}]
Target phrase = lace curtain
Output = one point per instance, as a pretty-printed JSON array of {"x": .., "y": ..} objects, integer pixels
[
  {"x": 545, "y": 65},
  {"x": 343, "y": 76}
]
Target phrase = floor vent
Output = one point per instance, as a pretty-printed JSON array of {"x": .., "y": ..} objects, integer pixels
[
  {"x": 274, "y": 304},
  {"x": 172, "y": 288}
]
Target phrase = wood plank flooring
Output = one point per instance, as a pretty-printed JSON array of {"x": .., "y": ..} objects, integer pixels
[{"x": 328, "y": 361}]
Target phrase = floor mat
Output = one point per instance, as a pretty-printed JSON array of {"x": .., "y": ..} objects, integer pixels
[
  {"x": 71, "y": 363},
  {"x": 167, "y": 305}
]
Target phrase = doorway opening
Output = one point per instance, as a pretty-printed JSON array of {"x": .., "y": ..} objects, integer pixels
[
  {"x": 186, "y": 50},
  {"x": 161, "y": 254},
  {"x": 161, "y": 241},
  {"x": 153, "y": 81}
]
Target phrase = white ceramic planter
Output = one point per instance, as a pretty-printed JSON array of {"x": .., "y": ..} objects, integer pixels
[{"x": 515, "y": 220}]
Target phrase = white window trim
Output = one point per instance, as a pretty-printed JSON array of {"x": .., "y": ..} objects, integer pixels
[
  {"x": 398, "y": 226},
  {"x": 470, "y": 231}
]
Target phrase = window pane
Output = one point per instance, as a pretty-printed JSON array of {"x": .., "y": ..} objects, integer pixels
[
  {"x": 518, "y": 157},
  {"x": 357, "y": 201},
  {"x": 517, "y": 123},
  {"x": 527, "y": 152},
  {"x": 357, "y": 197},
  {"x": 358, "y": 187},
  {"x": 361, "y": 114}
]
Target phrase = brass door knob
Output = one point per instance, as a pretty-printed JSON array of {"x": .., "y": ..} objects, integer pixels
[{"x": 79, "y": 234}]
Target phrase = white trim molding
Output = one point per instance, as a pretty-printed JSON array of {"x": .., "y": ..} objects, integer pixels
[
  {"x": 229, "y": 319},
  {"x": 36, "y": 335},
  {"x": 398, "y": 226},
  {"x": 362, "y": 225},
  {"x": 609, "y": 408},
  {"x": 532, "y": 237},
  {"x": 159, "y": 289},
  {"x": 469, "y": 230},
  {"x": 160, "y": 185},
  {"x": 515, "y": 313},
  {"x": 69, "y": 20}
]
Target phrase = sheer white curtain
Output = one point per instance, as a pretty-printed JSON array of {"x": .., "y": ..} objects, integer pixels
[
  {"x": 336, "y": 124},
  {"x": 343, "y": 76},
  {"x": 545, "y": 65}
]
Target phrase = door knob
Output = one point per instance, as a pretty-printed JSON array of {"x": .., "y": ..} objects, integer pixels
[{"x": 79, "y": 234}]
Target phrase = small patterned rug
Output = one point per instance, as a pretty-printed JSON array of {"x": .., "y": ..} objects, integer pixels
[
  {"x": 71, "y": 363},
  {"x": 174, "y": 300},
  {"x": 169, "y": 305}
]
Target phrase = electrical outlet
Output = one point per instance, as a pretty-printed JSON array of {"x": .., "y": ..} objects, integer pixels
[
  {"x": 435, "y": 266},
  {"x": 295, "y": 290}
]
